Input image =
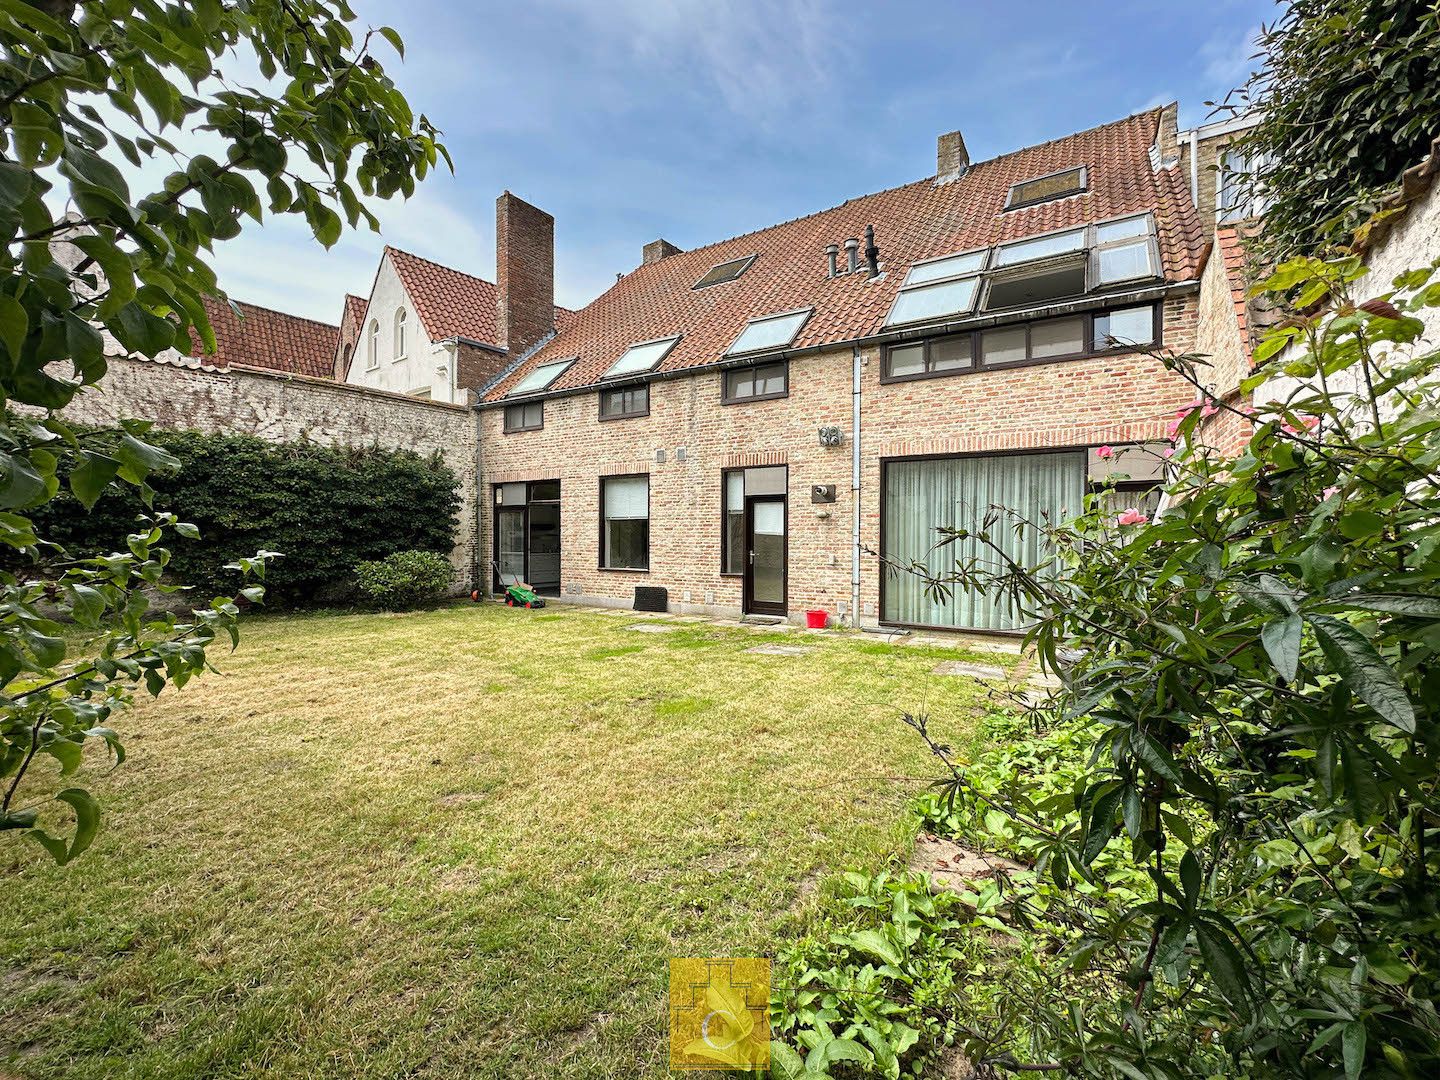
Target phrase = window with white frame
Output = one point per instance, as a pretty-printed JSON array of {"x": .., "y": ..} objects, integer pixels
[
  {"x": 372, "y": 346},
  {"x": 936, "y": 288},
  {"x": 1238, "y": 195},
  {"x": 400, "y": 334},
  {"x": 625, "y": 523}
]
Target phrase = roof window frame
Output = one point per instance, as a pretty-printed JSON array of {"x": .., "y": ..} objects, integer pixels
[
  {"x": 1012, "y": 204},
  {"x": 978, "y": 275},
  {"x": 562, "y": 367},
  {"x": 807, "y": 312},
  {"x": 745, "y": 260},
  {"x": 611, "y": 373}
]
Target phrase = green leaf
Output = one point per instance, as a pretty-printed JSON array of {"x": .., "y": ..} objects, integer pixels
[
  {"x": 1154, "y": 756},
  {"x": 874, "y": 943},
  {"x": 1367, "y": 674},
  {"x": 139, "y": 459},
  {"x": 1224, "y": 963},
  {"x": 20, "y": 482},
  {"x": 86, "y": 604},
  {"x": 1352, "y": 1048},
  {"x": 87, "y": 820},
  {"x": 91, "y": 476},
  {"x": 14, "y": 325},
  {"x": 1101, "y": 825},
  {"x": 1414, "y": 605},
  {"x": 393, "y": 37},
  {"x": 1359, "y": 524},
  {"x": 1281, "y": 638},
  {"x": 827, "y": 1053},
  {"x": 1191, "y": 878}
]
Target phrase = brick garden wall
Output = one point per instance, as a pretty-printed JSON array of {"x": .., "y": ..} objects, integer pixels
[
  {"x": 285, "y": 408},
  {"x": 1108, "y": 399}
]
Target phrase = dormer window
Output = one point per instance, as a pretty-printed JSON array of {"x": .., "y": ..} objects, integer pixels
[
  {"x": 1041, "y": 189},
  {"x": 642, "y": 356},
  {"x": 1125, "y": 251},
  {"x": 723, "y": 272}
]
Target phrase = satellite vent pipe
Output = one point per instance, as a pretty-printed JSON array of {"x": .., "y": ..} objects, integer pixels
[
  {"x": 852, "y": 255},
  {"x": 832, "y": 254},
  {"x": 872, "y": 253}
]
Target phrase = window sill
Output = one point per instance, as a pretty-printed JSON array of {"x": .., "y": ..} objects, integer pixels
[
  {"x": 624, "y": 569},
  {"x": 397, "y": 359},
  {"x": 626, "y": 416},
  {"x": 520, "y": 430}
]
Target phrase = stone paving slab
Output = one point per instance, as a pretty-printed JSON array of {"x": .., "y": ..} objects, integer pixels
[
  {"x": 652, "y": 628},
  {"x": 964, "y": 667},
  {"x": 780, "y": 650}
]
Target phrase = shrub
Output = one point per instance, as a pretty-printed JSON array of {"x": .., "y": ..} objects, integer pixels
[
  {"x": 405, "y": 579},
  {"x": 1233, "y": 815},
  {"x": 324, "y": 509}
]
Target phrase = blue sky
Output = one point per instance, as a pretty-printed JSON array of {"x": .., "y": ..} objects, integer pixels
[{"x": 701, "y": 119}]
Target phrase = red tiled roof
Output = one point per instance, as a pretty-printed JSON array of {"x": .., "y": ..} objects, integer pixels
[
  {"x": 354, "y": 312},
  {"x": 261, "y": 338},
  {"x": 450, "y": 303},
  {"x": 917, "y": 221}
]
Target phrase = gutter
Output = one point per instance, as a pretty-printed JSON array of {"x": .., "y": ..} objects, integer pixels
[{"x": 889, "y": 337}]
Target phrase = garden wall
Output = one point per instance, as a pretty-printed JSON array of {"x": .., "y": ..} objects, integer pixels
[{"x": 280, "y": 407}]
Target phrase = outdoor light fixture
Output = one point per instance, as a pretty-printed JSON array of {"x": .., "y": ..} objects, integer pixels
[{"x": 831, "y": 435}]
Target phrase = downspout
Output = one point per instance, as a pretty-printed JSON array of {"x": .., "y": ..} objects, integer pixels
[
  {"x": 1195, "y": 167},
  {"x": 481, "y": 586},
  {"x": 855, "y": 488}
]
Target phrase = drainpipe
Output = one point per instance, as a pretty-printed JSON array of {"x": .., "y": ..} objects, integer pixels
[
  {"x": 1195, "y": 167},
  {"x": 482, "y": 505},
  {"x": 855, "y": 488}
]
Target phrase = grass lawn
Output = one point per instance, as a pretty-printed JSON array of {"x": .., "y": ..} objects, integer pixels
[{"x": 456, "y": 843}]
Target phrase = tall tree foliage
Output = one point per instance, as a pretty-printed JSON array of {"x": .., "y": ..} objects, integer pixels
[
  {"x": 95, "y": 97},
  {"x": 1347, "y": 100}
]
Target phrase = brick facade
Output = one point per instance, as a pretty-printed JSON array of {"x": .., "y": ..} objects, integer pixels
[{"x": 1115, "y": 398}]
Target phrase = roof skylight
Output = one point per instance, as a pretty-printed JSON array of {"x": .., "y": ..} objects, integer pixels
[
  {"x": 1041, "y": 247},
  {"x": 540, "y": 378},
  {"x": 726, "y": 271},
  {"x": 643, "y": 356},
  {"x": 938, "y": 287},
  {"x": 769, "y": 332},
  {"x": 1055, "y": 185}
]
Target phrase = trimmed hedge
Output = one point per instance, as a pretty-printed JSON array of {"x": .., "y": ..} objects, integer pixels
[
  {"x": 324, "y": 509},
  {"x": 404, "y": 580}
]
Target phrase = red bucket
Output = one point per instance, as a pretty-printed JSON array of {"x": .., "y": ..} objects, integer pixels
[{"x": 817, "y": 620}]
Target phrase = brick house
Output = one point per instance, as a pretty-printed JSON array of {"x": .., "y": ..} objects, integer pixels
[{"x": 746, "y": 424}]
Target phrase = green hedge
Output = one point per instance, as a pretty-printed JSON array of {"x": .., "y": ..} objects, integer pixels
[{"x": 325, "y": 509}]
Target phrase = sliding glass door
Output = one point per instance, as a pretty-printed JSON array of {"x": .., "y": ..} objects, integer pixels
[{"x": 922, "y": 495}]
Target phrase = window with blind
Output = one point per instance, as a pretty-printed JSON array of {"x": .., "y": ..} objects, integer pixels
[
  {"x": 625, "y": 523},
  {"x": 921, "y": 496}
]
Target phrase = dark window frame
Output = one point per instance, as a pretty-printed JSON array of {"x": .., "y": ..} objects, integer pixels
[
  {"x": 725, "y": 520},
  {"x": 520, "y": 407},
  {"x": 977, "y": 365},
  {"x": 623, "y": 415},
  {"x": 726, "y": 398},
  {"x": 1012, "y": 204},
  {"x": 600, "y": 517}
]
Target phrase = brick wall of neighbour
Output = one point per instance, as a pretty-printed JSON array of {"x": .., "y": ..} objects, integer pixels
[
  {"x": 287, "y": 408},
  {"x": 1108, "y": 399},
  {"x": 1217, "y": 336}
]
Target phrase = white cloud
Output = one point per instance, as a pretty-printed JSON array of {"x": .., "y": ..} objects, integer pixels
[{"x": 1230, "y": 58}]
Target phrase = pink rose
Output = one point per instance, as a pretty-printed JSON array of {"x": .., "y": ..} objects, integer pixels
[
  {"x": 1208, "y": 410},
  {"x": 1169, "y": 452},
  {"x": 1131, "y": 517},
  {"x": 1329, "y": 492},
  {"x": 1171, "y": 428},
  {"x": 1105, "y": 453}
]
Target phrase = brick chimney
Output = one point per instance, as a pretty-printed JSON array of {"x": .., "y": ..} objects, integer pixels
[
  {"x": 951, "y": 157},
  {"x": 524, "y": 273},
  {"x": 656, "y": 250}
]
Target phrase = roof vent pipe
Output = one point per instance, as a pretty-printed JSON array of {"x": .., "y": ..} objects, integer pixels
[
  {"x": 832, "y": 253},
  {"x": 872, "y": 253},
  {"x": 852, "y": 255}
]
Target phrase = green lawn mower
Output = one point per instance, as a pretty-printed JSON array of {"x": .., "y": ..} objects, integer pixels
[{"x": 517, "y": 593}]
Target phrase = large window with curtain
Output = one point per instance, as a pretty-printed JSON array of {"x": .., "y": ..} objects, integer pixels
[
  {"x": 921, "y": 496},
  {"x": 625, "y": 523}
]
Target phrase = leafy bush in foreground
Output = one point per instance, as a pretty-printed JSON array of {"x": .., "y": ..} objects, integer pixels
[
  {"x": 405, "y": 579},
  {"x": 1235, "y": 859}
]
